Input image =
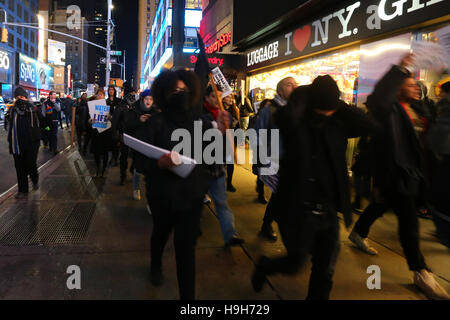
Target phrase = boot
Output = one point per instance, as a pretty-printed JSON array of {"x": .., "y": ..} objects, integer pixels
[{"x": 267, "y": 232}]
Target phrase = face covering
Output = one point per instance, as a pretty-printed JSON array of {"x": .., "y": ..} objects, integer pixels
[{"x": 178, "y": 109}]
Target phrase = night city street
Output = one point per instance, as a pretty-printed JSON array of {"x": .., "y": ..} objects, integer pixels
[{"x": 244, "y": 154}]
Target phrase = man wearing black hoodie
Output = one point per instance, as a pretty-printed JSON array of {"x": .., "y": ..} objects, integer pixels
[
  {"x": 24, "y": 139},
  {"x": 313, "y": 184}
]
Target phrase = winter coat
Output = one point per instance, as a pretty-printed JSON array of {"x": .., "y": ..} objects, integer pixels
[
  {"x": 27, "y": 121},
  {"x": 398, "y": 163},
  {"x": 174, "y": 192},
  {"x": 82, "y": 117},
  {"x": 298, "y": 178},
  {"x": 51, "y": 111},
  {"x": 137, "y": 129},
  {"x": 102, "y": 142}
]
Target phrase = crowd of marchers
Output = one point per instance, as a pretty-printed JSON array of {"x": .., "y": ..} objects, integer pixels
[{"x": 404, "y": 150}]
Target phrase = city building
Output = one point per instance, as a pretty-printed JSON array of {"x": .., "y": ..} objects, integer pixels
[
  {"x": 147, "y": 10},
  {"x": 158, "y": 52},
  {"x": 20, "y": 40},
  {"x": 76, "y": 51}
]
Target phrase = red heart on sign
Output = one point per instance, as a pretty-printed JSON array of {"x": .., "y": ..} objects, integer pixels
[{"x": 301, "y": 37}]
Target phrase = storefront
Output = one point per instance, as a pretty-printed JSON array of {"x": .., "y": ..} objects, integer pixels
[
  {"x": 34, "y": 76},
  {"x": 355, "y": 42}
]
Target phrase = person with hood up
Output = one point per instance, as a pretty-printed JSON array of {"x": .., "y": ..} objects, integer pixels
[
  {"x": 313, "y": 184},
  {"x": 24, "y": 134}
]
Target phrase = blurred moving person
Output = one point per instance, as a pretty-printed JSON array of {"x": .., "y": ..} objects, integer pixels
[
  {"x": 24, "y": 135},
  {"x": 51, "y": 110},
  {"x": 84, "y": 129},
  {"x": 229, "y": 106}
]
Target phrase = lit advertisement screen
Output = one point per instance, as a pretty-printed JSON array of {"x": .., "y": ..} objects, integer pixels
[{"x": 192, "y": 18}]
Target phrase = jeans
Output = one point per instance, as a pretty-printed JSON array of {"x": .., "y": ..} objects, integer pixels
[
  {"x": 271, "y": 209},
  {"x": 306, "y": 233},
  {"x": 53, "y": 137},
  {"x": 408, "y": 226},
  {"x": 68, "y": 116},
  {"x": 136, "y": 179},
  {"x": 226, "y": 218}
]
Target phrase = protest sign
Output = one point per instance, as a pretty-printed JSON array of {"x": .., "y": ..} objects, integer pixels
[
  {"x": 221, "y": 82},
  {"x": 99, "y": 111},
  {"x": 429, "y": 56}
]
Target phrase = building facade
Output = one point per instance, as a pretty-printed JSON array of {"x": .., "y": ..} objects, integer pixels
[
  {"x": 158, "y": 53},
  {"x": 147, "y": 10}
]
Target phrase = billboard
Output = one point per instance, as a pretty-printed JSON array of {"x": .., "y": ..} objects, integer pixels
[
  {"x": 6, "y": 62},
  {"x": 56, "y": 52},
  {"x": 35, "y": 74}
]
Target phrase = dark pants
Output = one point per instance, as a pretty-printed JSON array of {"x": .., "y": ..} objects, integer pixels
[
  {"x": 53, "y": 136},
  {"x": 259, "y": 187},
  {"x": 68, "y": 116},
  {"x": 123, "y": 160},
  {"x": 271, "y": 209},
  {"x": 230, "y": 171},
  {"x": 98, "y": 156},
  {"x": 25, "y": 164},
  {"x": 408, "y": 226},
  {"x": 186, "y": 227},
  {"x": 306, "y": 233},
  {"x": 83, "y": 140},
  {"x": 45, "y": 137}
]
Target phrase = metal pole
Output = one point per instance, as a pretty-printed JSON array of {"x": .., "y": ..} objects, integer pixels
[
  {"x": 178, "y": 31},
  {"x": 108, "y": 44}
]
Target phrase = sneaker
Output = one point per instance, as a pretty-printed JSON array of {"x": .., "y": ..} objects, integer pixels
[
  {"x": 137, "y": 195},
  {"x": 21, "y": 195},
  {"x": 149, "y": 211},
  {"x": 432, "y": 289},
  {"x": 231, "y": 188},
  {"x": 206, "y": 200},
  {"x": 235, "y": 241},
  {"x": 361, "y": 243},
  {"x": 55, "y": 152}
]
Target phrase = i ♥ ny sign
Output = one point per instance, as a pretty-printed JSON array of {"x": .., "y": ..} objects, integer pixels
[{"x": 347, "y": 23}]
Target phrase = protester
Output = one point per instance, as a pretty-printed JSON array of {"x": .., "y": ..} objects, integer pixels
[
  {"x": 245, "y": 111},
  {"x": 176, "y": 203},
  {"x": 113, "y": 102},
  {"x": 137, "y": 117},
  {"x": 313, "y": 183},
  {"x": 84, "y": 129},
  {"x": 24, "y": 136},
  {"x": 265, "y": 121},
  {"x": 51, "y": 111},
  {"x": 399, "y": 168},
  {"x": 259, "y": 184},
  {"x": 66, "y": 108},
  {"x": 439, "y": 142},
  {"x": 101, "y": 143},
  {"x": 230, "y": 107},
  {"x": 217, "y": 185},
  {"x": 118, "y": 126}
]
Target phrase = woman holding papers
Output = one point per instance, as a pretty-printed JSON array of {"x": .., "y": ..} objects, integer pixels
[{"x": 176, "y": 202}]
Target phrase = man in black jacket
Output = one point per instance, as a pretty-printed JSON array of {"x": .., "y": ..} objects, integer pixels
[
  {"x": 113, "y": 102},
  {"x": 313, "y": 185},
  {"x": 84, "y": 129},
  {"x": 24, "y": 139},
  {"x": 399, "y": 168}
]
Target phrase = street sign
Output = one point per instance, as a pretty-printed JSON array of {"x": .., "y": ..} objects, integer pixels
[
  {"x": 116, "y": 53},
  {"x": 103, "y": 60}
]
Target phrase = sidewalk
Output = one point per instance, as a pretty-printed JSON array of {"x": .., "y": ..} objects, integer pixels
[{"x": 75, "y": 219}]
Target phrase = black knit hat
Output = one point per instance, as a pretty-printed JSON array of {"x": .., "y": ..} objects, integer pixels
[
  {"x": 20, "y": 92},
  {"x": 324, "y": 93}
]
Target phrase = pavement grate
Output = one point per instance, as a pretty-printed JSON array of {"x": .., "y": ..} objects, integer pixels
[{"x": 46, "y": 224}]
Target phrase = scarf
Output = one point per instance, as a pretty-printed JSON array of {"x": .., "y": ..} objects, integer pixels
[
  {"x": 214, "y": 111},
  {"x": 280, "y": 101}
]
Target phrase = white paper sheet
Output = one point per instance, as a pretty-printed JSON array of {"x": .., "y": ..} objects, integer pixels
[{"x": 153, "y": 152}]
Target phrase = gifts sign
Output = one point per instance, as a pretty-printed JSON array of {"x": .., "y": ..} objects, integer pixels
[{"x": 99, "y": 111}]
